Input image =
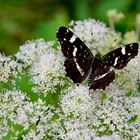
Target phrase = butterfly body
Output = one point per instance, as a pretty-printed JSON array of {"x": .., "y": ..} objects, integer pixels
[{"x": 81, "y": 63}]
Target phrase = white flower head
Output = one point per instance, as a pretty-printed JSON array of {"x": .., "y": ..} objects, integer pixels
[
  {"x": 31, "y": 50},
  {"x": 8, "y": 68},
  {"x": 46, "y": 65},
  {"x": 48, "y": 72},
  {"x": 95, "y": 34},
  {"x": 73, "y": 100}
]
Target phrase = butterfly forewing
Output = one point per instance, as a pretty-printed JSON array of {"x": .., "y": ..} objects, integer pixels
[
  {"x": 119, "y": 58},
  {"x": 101, "y": 77},
  {"x": 72, "y": 46},
  {"x": 78, "y": 57}
]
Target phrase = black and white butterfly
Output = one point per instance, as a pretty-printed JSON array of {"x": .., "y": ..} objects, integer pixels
[{"x": 80, "y": 62}]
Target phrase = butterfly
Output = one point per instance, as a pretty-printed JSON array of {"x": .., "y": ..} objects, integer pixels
[{"x": 80, "y": 63}]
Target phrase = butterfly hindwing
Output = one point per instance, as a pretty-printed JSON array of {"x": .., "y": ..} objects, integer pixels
[
  {"x": 119, "y": 58},
  {"x": 77, "y": 69},
  {"x": 72, "y": 46},
  {"x": 101, "y": 77}
]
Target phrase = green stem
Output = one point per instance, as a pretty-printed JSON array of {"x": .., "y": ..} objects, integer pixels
[{"x": 112, "y": 26}]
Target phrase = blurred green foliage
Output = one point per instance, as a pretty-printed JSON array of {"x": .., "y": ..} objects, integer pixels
[{"x": 22, "y": 20}]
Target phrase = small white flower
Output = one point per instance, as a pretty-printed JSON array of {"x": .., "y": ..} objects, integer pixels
[{"x": 8, "y": 68}]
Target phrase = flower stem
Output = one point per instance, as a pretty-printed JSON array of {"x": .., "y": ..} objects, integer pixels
[{"x": 112, "y": 26}]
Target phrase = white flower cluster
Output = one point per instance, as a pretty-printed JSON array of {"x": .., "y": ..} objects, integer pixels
[
  {"x": 78, "y": 107},
  {"x": 35, "y": 118},
  {"x": 95, "y": 34},
  {"x": 46, "y": 65},
  {"x": 119, "y": 114},
  {"x": 31, "y": 51},
  {"x": 88, "y": 117},
  {"x": 8, "y": 68},
  {"x": 76, "y": 113},
  {"x": 48, "y": 72}
]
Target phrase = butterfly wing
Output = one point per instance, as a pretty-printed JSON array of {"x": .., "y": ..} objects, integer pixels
[
  {"x": 72, "y": 46},
  {"x": 77, "y": 69},
  {"x": 78, "y": 56},
  {"x": 101, "y": 77},
  {"x": 119, "y": 58}
]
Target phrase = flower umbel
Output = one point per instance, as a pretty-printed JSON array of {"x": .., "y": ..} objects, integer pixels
[{"x": 45, "y": 65}]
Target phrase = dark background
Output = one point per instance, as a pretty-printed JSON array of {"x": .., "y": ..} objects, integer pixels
[{"x": 22, "y": 20}]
